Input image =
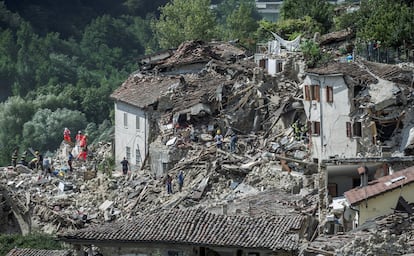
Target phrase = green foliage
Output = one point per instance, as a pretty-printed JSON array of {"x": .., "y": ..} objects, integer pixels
[
  {"x": 15, "y": 112},
  {"x": 243, "y": 15},
  {"x": 35, "y": 241},
  {"x": 183, "y": 20},
  {"x": 313, "y": 54},
  {"x": 45, "y": 130},
  {"x": 288, "y": 29},
  {"x": 388, "y": 21},
  {"x": 319, "y": 10}
]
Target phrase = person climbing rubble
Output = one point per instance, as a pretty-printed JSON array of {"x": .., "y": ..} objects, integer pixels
[
  {"x": 70, "y": 159},
  {"x": 66, "y": 135},
  {"x": 78, "y": 138},
  {"x": 83, "y": 154},
  {"x": 219, "y": 139}
]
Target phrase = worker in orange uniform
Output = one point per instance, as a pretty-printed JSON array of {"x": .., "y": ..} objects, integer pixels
[{"x": 66, "y": 135}]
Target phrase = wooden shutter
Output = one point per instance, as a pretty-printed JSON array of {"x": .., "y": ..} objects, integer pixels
[
  {"x": 329, "y": 94},
  {"x": 348, "y": 130},
  {"x": 316, "y": 92},
  {"x": 307, "y": 92},
  {"x": 316, "y": 128}
]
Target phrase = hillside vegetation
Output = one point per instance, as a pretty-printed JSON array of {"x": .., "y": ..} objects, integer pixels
[{"x": 60, "y": 61}]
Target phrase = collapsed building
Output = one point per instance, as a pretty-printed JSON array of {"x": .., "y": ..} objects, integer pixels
[{"x": 303, "y": 136}]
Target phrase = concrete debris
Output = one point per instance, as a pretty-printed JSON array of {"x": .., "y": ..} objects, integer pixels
[
  {"x": 269, "y": 170},
  {"x": 386, "y": 235}
]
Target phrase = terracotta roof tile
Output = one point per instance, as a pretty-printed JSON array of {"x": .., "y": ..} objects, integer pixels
[
  {"x": 142, "y": 91},
  {"x": 352, "y": 70},
  {"x": 380, "y": 186},
  {"x": 37, "y": 252},
  {"x": 196, "y": 226}
]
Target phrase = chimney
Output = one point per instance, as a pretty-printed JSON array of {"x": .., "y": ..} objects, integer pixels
[{"x": 363, "y": 173}]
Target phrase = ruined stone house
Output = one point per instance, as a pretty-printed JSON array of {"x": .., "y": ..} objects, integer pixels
[
  {"x": 184, "y": 90},
  {"x": 193, "y": 232}
]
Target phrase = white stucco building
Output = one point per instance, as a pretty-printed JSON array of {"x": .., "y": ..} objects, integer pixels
[
  {"x": 136, "y": 105},
  {"x": 327, "y": 107}
]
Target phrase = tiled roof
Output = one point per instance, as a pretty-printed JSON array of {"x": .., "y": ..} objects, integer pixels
[
  {"x": 359, "y": 75},
  {"x": 196, "y": 226},
  {"x": 142, "y": 91},
  {"x": 381, "y": 185},
  {"x": 37, "y": 252}
]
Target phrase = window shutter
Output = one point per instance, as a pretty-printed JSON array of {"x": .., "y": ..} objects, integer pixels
[
  {"x": 329, "y": 94},
  {"x": 317, "y": 128},
  {"x": 307, "y": 96},
  {"x": 348, "y": 130},
  {"x": 262, "y": 63},
  {"x": 317, "y": 96}
]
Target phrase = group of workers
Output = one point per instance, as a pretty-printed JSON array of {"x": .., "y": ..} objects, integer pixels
[
  {"x": 80, "y": 143},
  {"x": 233, "y": 139},
  {"x": 36, "y": 163}
]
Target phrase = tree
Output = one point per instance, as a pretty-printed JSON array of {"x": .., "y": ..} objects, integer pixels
[
  {"x": 241, "y": 21},
  {"x": 183, "y": 20},
  {"x": 45, "y": 130},
  {"x": 388, "y": 21},
  {"x": 14, "y": 113},
  {"x": 288, "y": 29},
  {"x": 319, "y": 10}
]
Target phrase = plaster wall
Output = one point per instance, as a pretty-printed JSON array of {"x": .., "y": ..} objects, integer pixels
[
  {"x": 383, "y": 203},
  {"x": 333, "y": 140},
  {"x": 173, "y": 249},
  {"x": 130, "y": 135}
]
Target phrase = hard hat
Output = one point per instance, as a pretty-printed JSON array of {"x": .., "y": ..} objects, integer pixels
[
  {"x": 218, "y": 131},
  {"x": 79, "y": 132},
  {"x": 37, "y": 152}
]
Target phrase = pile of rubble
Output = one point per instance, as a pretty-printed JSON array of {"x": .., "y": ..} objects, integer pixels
[
  {"x": 386, "y": 235},
  {"x": 74, "y": 200}
]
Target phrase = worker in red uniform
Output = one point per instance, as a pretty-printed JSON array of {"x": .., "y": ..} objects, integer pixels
[{"x": 66, "y": 135}]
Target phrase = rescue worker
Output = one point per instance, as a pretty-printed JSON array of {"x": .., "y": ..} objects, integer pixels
[
  {"x": 14, "y": 157},
  {"x": 219, "y": 139},
  {"x": 66, "y": 135}
]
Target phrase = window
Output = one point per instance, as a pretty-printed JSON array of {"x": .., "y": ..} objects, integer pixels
[
  {"x": 353, "y": 129},
  {"x": 126, "y": 120},
  {"x": 348, "y": 130},
  {"x": 279, "y": 67},
  {"x": 128, "y": 153},
  {"x": 262, "y": 63},
  {"x": 137, "y": 156},
  {"x": 329, "y": 94},
  {"x": 357, "y": 129},
  {"x": 314, "y": 92},
  {"x": 137, "y": 122},
  {"x": 307, "y": 92},
  {"x": 316, "y": 128}
]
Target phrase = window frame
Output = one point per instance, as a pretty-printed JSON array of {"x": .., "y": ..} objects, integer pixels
[
  {"x": 137, "y": 123},
  {"x": 329, "y": 94},
  {"x": 125, "y": 120},
  {"x": 128, "y": 153},
  {"x": 316, "y": 128}
]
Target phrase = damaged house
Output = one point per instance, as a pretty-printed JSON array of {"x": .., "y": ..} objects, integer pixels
[
  {"x": 356, "y": 116},
  {"x": 383, "y": 196},
  {"x": 193, "y": 232},
  {"x": 181, "y": 94}
]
